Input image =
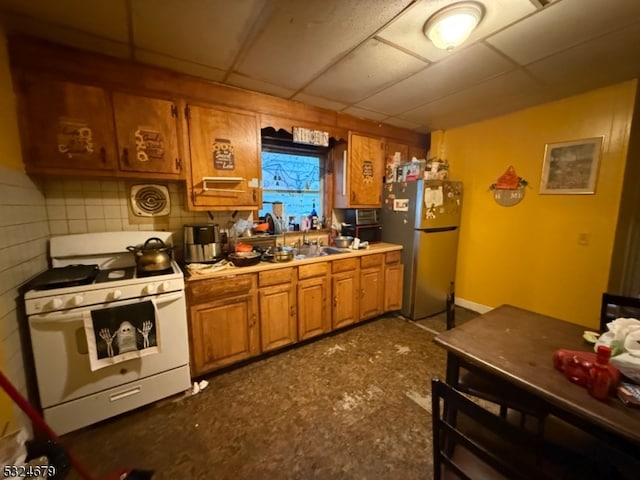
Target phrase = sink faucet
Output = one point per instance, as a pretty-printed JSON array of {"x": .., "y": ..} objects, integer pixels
[{"x": 305, "y": 240}]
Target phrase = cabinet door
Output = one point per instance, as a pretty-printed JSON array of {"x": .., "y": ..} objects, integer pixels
[
  {"x": 391, "y": 147},
  {"x": 69, "y": 127},
  {"x": 225, "y": 147},
  {"x": 147, "y": 133},
  {"x": 278, "y": 326},
  {"x": 346, "y": 295},
  {"x": 393, "y": 275},
  {"x": 371, "y": 298},
  {"x": 313, "y": 315},
  {"x": 365, "y": 171},
  {"x": 223, "y": 332}
]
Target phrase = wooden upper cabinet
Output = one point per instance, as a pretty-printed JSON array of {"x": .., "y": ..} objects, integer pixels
[
  {"x": 391, "y": 147},
  {"x": 359, "y": 174},
  {"x": 225, "y": 159},
  {"x": 147, "y": 134},
  {"x": 67, "y": 127}
]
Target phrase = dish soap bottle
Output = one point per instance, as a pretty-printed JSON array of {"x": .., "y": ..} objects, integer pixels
[
  {"x": 313, "y": 218},
  {"x": 602, "y": 382}
]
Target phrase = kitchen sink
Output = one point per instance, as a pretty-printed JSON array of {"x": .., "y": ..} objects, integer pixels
[{"x": 311, "y": 251}]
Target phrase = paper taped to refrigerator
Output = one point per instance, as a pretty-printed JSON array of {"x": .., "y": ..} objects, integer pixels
[{"x": 433, "y": 197}]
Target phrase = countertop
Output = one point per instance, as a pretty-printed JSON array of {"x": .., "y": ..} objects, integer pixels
[{"x": 264, "y": 266}]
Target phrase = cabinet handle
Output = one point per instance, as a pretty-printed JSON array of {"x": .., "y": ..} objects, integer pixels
[
  {"x": 255, "y": 197},
  {"x": 353, "y": 196},
  {"x": 253, "y": 320},
  {"x": 335, "y": 302},
  {"x": 103, "y": 155},
  {"x": 178, "y": 164},
  {"x": 292, "y": 310},
  {"x": 125, "y": 156}
]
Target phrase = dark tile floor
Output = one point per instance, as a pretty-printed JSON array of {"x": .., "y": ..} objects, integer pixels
[{"x": 353, "y": 405}]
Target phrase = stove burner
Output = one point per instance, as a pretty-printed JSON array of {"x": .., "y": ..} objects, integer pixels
[
  {"x": 166, "y": 271},
  {"x": 113, "y": 274}
]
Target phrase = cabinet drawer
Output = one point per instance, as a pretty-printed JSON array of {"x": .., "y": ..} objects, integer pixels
[
  {"x": 374, "y": 260},
  {"x": 392, "y": 257},
  {"x": 275, "y": 277},
  {"x": 345, "y": 265},
  {"x": 313, "y": 270},
  {"x": 231, "y": 285}
]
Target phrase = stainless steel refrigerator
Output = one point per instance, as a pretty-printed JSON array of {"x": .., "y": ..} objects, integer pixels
[{"x": 424, "y": 216}]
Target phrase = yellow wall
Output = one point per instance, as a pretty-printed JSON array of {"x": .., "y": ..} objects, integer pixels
[
  {"x": 528, "y": 254},
  {"x": 10, "y": 157},
  {"x": 10, "y": 152}
]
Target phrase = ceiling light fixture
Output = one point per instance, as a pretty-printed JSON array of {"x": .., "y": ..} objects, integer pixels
[{"x": 449, "y": 27}]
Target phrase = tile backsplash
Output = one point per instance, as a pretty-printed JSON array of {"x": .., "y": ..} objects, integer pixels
[
  {"x": 85, "y": 206},
  {"x": 24, "y": 232}
]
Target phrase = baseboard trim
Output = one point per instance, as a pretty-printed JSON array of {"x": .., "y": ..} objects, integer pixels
[{"x": 476, "y": 307}]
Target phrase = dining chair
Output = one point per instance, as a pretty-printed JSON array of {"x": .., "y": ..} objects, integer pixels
[
  {"x": 480, "y": 444},
  {"x": 476, "y": 382},
  {"x": 615, "y": 306}
]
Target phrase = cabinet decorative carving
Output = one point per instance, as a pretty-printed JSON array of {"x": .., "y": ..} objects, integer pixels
[
  {"x": 147, "y": 134},
  {"x": 359, "y": 172},
  {"x": 225, "y": 159},
  {"x": 67, "y": 128},
  {"x": 74, "y": 129}
]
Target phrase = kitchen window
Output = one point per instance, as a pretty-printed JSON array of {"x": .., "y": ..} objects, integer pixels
[{"x": 292, "y": 174}]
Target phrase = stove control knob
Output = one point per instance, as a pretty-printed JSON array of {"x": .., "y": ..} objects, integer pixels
[
  {"x": 164, "y": 286},
  {"x": 76, "y": 300},
  {"x": 56, "y": 302},
  {"x": 149, "y": 289},
  {"x": 116, "y": 294}
]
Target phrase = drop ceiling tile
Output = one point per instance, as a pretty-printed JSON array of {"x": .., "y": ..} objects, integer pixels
[
  {"x": 366, "y": 70},
  {"x": 107, "y": 19},
  {"x": 199, "y": 31},
  {"x": 179, "y": 65},
  {"x": 258, "y": 86},
  {"x": 407, "y": 30},
  {"x": 319, "y": 102},
  {"x": 592, "y": 64},
  {"x": 451, "y": 74},
  {"x": 509, "y": 92},
  {"x": 302, "y": 37},
  {"x": 399, "y": 122},
  {"x": 365, "y": 113},
  {"x": 561, "y": 25}
]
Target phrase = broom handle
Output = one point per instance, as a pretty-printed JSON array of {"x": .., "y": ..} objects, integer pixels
[{"x": 35, "y": 417}]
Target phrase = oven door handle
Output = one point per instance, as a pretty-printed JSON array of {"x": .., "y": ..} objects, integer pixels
[{"x": 68, "y": 316}]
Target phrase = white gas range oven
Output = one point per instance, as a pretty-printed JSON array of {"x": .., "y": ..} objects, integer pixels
[{"x": 105, "y": 338}]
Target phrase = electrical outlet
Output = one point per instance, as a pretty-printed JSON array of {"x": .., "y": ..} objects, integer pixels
[{"x": 583, "y": 239}]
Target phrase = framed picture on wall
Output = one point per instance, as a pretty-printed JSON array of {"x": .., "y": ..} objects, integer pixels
[{"x": 571, "y": 167}]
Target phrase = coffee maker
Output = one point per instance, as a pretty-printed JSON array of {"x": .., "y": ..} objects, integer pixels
[{"x": 202, "y": 243}]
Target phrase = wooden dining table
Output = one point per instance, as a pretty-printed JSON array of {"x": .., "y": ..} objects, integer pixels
[{"x": 517, "y": 345}]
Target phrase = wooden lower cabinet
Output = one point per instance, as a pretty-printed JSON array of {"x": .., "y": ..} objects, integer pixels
[
  {"x": 223, "y": 322},
  {"x": 371, "y": 286},
  {"x": 345, "y": 290},
  {"x": 393, "y": 278},
  {"x": 278, "y": 319},
  {"x": 236, "y": 317},
  {"x": 314, "y": 318}
]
